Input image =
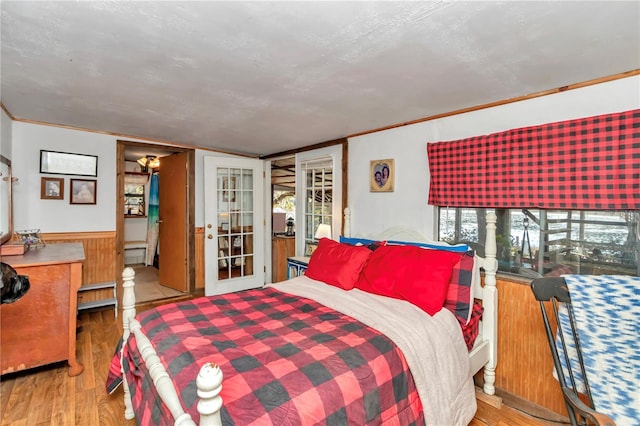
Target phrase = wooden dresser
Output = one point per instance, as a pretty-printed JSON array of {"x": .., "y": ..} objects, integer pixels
[{"x": 40, "y": 328}]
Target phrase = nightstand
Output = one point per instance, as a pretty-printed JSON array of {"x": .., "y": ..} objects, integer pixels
[{"x": 296, "y": 266}]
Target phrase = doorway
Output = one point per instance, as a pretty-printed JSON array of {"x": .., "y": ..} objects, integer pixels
[
  {"x": 283, "y": 215},
  {"x": 135, "y": 228},
  {"x": 234, "y": 221}
]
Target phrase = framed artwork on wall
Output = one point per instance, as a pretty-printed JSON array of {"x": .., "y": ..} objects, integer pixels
[
  {"x": 311, "y": 247},
  {"x": 51, "y": 188},
  {"x": 381, "y": 175},
  {"x": 82, "y": 191},
  {"x": 67, "y": 163}
]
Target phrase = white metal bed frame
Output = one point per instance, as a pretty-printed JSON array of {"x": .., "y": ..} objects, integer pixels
[{"x": 209, "y": 380}]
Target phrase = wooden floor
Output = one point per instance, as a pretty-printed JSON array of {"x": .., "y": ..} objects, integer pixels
[
  {"x": 48, "y": 396},
  {"x": 147, "y": 287}
]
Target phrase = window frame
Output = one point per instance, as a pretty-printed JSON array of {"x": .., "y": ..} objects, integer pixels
[{"x": 571, "y": 250}]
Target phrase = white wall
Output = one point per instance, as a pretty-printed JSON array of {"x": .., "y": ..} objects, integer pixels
[
  {"x": 407, "y": 205},
  {"x": 199, "y": 189},
  {"x": 6, "y": 127},
  {"x": 58, "y": 215},
  {"x": 371, "y": 212}
]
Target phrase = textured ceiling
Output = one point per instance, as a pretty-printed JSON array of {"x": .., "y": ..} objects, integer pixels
[{"x": 264, "y": 77}]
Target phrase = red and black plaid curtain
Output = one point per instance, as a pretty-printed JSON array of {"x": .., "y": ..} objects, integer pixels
[{"x": 585, "y": 164}]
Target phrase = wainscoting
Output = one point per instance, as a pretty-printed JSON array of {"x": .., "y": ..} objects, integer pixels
[
  {"x": 524, "y": 361},
  {"x": 99, "y": 252}
]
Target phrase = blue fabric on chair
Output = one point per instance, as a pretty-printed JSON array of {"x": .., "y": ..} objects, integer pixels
[{"x": 607, "y": 314}]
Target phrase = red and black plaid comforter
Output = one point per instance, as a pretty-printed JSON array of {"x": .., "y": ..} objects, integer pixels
[{"x": 285, "y": 359}]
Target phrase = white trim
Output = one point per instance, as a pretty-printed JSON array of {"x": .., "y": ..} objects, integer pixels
[{"x": 333, "y": 152}]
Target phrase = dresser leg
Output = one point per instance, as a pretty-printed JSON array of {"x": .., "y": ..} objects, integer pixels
[{"x": 75, "y": 368}]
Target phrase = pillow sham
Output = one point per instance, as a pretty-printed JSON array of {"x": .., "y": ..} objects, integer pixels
[
  {"x": 420, "y": 276},
  {"x": 436, "y": 245},
  {"x": 356, "y": 241},
  {"x": 459, "y": 298},
  {"x": 337, "y": 264},
  {"x": 370, "y": 244},
  {"x": 472, "y": 329}
]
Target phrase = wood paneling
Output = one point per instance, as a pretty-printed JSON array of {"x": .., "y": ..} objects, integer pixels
[
  {"x": 99, "y": 251},
  {"x": 281, "y": 248},
  {"x": 524, "y": 361}
]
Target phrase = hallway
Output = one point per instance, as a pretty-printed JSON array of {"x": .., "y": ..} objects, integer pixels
[{"x": 147, "y": 288}]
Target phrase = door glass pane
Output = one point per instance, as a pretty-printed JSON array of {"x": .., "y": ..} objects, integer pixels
[
  {"x": 318, "y": 198},
  {"x": 235, "y": 223}
]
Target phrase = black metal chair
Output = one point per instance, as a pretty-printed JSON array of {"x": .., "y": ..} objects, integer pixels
[{"x": 555, "y": 290}]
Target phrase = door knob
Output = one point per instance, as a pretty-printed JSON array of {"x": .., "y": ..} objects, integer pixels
[{"x": 209, "y": 236}]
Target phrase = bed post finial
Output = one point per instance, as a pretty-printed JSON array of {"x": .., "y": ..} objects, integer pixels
[
  {"x": 209, "y": 384},
  {"x": 490, "y": 303},
  {"x": 347, "y": 222}
]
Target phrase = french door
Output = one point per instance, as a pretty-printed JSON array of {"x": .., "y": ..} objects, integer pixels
[
  {"x": 318, "y": 195},
  {"x": 234, "y": 224}
]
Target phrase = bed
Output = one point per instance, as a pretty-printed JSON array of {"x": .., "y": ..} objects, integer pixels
[{"x": 310, "y": 350}]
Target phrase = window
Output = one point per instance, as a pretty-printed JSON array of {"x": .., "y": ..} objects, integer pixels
[
  {"x": 535, "y": 242},
  {"x": 318, "y": 195}
]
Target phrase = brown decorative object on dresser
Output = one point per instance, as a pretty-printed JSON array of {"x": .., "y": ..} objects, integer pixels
[
  {"x": 40, "y": 328},
  {"x": 12, "y": 248}
]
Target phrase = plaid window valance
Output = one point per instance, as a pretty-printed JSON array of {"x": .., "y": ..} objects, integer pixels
[{"x": 584, "y": 164}]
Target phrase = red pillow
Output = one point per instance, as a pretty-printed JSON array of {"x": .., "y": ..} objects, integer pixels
[
  {"x": 418, "y": 275},
  {"x": 337, "y": 264},
  {"x": 377, "y": 277}
]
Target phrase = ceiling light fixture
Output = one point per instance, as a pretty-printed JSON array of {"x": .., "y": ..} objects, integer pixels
[{"x": 149, "y": 161}]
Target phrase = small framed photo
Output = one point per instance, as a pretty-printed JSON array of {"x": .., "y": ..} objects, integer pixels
[
  {"x": 381, "y": 175},
  {"x": 311, "y": 247},
  {"x": 51, "y": 188},
  {"x": 83, "y": 191}
]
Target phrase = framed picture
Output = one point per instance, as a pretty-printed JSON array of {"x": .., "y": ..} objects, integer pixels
[
  {"x": 381, "y": 175},
  {"x": 51, "y": 188},
  {"x": 83, "y": 191},
  {"x": 311, "y": 247},
  {"x": 228, "y": 186},
  {"x": 67, "y": 163}
]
